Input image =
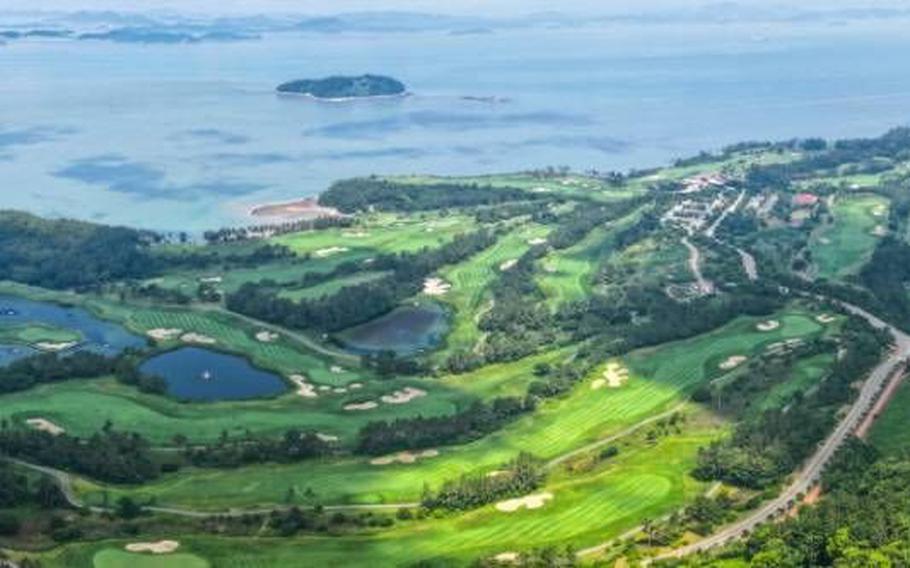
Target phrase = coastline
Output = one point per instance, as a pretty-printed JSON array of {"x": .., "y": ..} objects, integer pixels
[
  {"x": 310, "y": 96},
  {"x": 306, "y": 208}
]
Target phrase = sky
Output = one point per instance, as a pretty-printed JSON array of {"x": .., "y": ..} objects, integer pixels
[{"x": 477, "y": 7}]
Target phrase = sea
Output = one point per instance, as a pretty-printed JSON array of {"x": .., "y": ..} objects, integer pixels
[{"x": 191, "y": 137}]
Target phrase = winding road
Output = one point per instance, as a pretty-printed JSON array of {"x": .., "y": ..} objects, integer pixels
[{"x": 705, "y": 286}]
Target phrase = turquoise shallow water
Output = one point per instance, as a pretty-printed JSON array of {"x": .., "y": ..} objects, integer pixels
[{"x": 191, "y": 136}]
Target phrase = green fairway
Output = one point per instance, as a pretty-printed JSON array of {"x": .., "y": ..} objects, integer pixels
[
  {"x": 804, "y": 375},
  {"x": 331, "y": 286},
  {"x": 471, "y": 281},
  {"x": 890, "y": 433},
  {"x": 37, "y": 333},
  {"x": 659, "y": 378},
  {"x": 114, "y": 558},
  {"x": 841, "y": 248}
]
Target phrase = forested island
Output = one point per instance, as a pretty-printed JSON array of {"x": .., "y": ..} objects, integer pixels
[{"x": 345, "y": 87}]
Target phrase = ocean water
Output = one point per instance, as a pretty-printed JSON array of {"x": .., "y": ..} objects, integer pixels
[{"x": 188, "y": 137}]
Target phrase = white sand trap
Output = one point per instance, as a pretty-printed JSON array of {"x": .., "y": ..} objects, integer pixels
[
  {"x": 326, "y": 437},
  {"x": 160, "y": 547},
  {"x": 355, "y": 386},
  {"x": 336, "y": 369},
  {"x": 326, "y": 252},
  {"x": 325, "y": 388},
  {"x": 55, "y": 347},
  {"x": 339, "y": 390},
  {"x": 436, "y": 287},
  {"x": 163, "y": 333},
  {"x": 198, "y": 338},
  {"x": 879, "y": 231},
  {"x": 403, "y": 396},
  {"x": 537, "y": 241},
  {"x": 304, "y": 389},
  {"x": 825, "y": 241},
  {"x": 615, "y": 374},
  {"x": 769, "y": 325},
  {"x": 506, "y": 557},
  {"x": 266, "y": 336},
  {"x": 879, "y": 211},
  {"x": 508, "y": 264},
  {"x": 45, "y": 425},
  {"x": 530, "y": 502},
  {"x": 356, "y": 235},
  {"x": 825, "y": 318},
  {"x": 540, "y": 189},
  {"x": 368, "y": 405},
  {"x": 732, "y": 362},
  {"x": 212, "y": 280},
  {"x": 404, "y": 457},
  {"x": 549, "y": 267}
]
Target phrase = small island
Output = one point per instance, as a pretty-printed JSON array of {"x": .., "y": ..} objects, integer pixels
[{"x": 342, "y": 87}]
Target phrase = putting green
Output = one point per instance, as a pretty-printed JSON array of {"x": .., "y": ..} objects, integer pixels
[{"x": 840, "y": 249}]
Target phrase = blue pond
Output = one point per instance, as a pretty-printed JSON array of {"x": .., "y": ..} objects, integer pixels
[
  {"x": 100, "y": 336},
  {"x": 199, "y": 374},
  {"x": 406, "y": 330}
]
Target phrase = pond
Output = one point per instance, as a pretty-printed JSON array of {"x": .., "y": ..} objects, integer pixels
[
  {"x": 194, "y": 373},
  {"x": 405, "y": 330},
  {"x": 97, "y": 335}
]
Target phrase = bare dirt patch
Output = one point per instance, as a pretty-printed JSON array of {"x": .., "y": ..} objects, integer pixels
[
  {"x": 732, "y": 362},
  {"x": 507, "y": 265},
  {"x": 529, "y": 502},
  {"x": 163, "y": 333},
  {"x": 304, "y": 388},
  {"x": 44, "y": 425},
  {"x": 368, "y": 405},
  {"x": 436, "y": 287},
  {"x": 160, "y": 547},
  {"x": 769, "y": 325},
  {"x": 403, "y": 396}
]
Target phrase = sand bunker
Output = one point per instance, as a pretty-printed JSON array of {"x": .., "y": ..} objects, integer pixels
[
  {"x": 879, "y": 231},
  {"x": 163, "y": 334},
  {"x": 732, "y": 362},
  {"x": 323, "y": 253},
  {"x": 780, "y": 347},
  {"x": 336, "y": 369},
  {"x": 769, "y": 325},
  {"x": 339, "y": 390},
  {"x": 825, "y": 318},
  {"x": 537, "y": 241},
  {"x": 266, "y": 336},
  {"x": 506, "y": 557},
  {"x": 44, "y": 425},
  {"x": 404, "y": 457},
  {"x": 197, "y": 338},
  {"x": 436, "y": 287},
  {"x": 614, "y": 376},
  {"x": 879, "y": 210},
  {"x": 160, "y": 547},
  {"x": 304, "y": 388},
  {"x": 55, "y": 347},
  {"x": 508, "y": 264},
  {"x": 825, "y": 241},
  {"x": 355, "y": 386},
  {"x": 540, "y": 189},
  {"x": 403, "y": 396},
  {"x": 368, "y": 405},
  {"x": 530, "y": 502},
  {"x": 326, "y": 437}
]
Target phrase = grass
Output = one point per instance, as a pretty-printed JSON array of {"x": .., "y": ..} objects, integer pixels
[
  {"x": 331, "y": 287},
  {"x": 573, "y": 185},
  {"x": 803, "y": 376},
  {"x": 840, "y": 249},
  {"x": 113, "y": 558},
  {"x": 889, "y": 433},
  {"x": 380, "y": 233},
  {"x": 660, "y": 378},
  {"x": 29, "y": 334},
  {"x": 471, "y": 281}
]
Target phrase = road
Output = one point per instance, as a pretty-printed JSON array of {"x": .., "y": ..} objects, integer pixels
[
  {"x": 705, "y": 286},
  {"x": 720, "y": 219},
  {"x": 749, "y": 265},
  {"x": 812, "y": 469}
]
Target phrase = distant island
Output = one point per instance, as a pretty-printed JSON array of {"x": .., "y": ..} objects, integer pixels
[{"x": 342, "y": 87}]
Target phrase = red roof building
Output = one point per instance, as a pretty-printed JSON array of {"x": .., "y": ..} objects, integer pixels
[{"x": 805, "y": 199}]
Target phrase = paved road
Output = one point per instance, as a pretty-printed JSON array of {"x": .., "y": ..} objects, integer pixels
[
  {"x": 811, "y": 471},
  {"x": 720, "y": 219},
  {"x": 705, "y": 286}
]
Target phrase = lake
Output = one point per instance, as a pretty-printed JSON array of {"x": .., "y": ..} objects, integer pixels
[
  {"x": 405, "y": 330},
  {"x": 99, "y": 336},
  {"x": 193, "y": 373},
  {"x": 191, "y": 136}
]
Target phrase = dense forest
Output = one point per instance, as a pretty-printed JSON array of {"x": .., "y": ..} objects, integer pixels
[{"x": 374, "y": 193}]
